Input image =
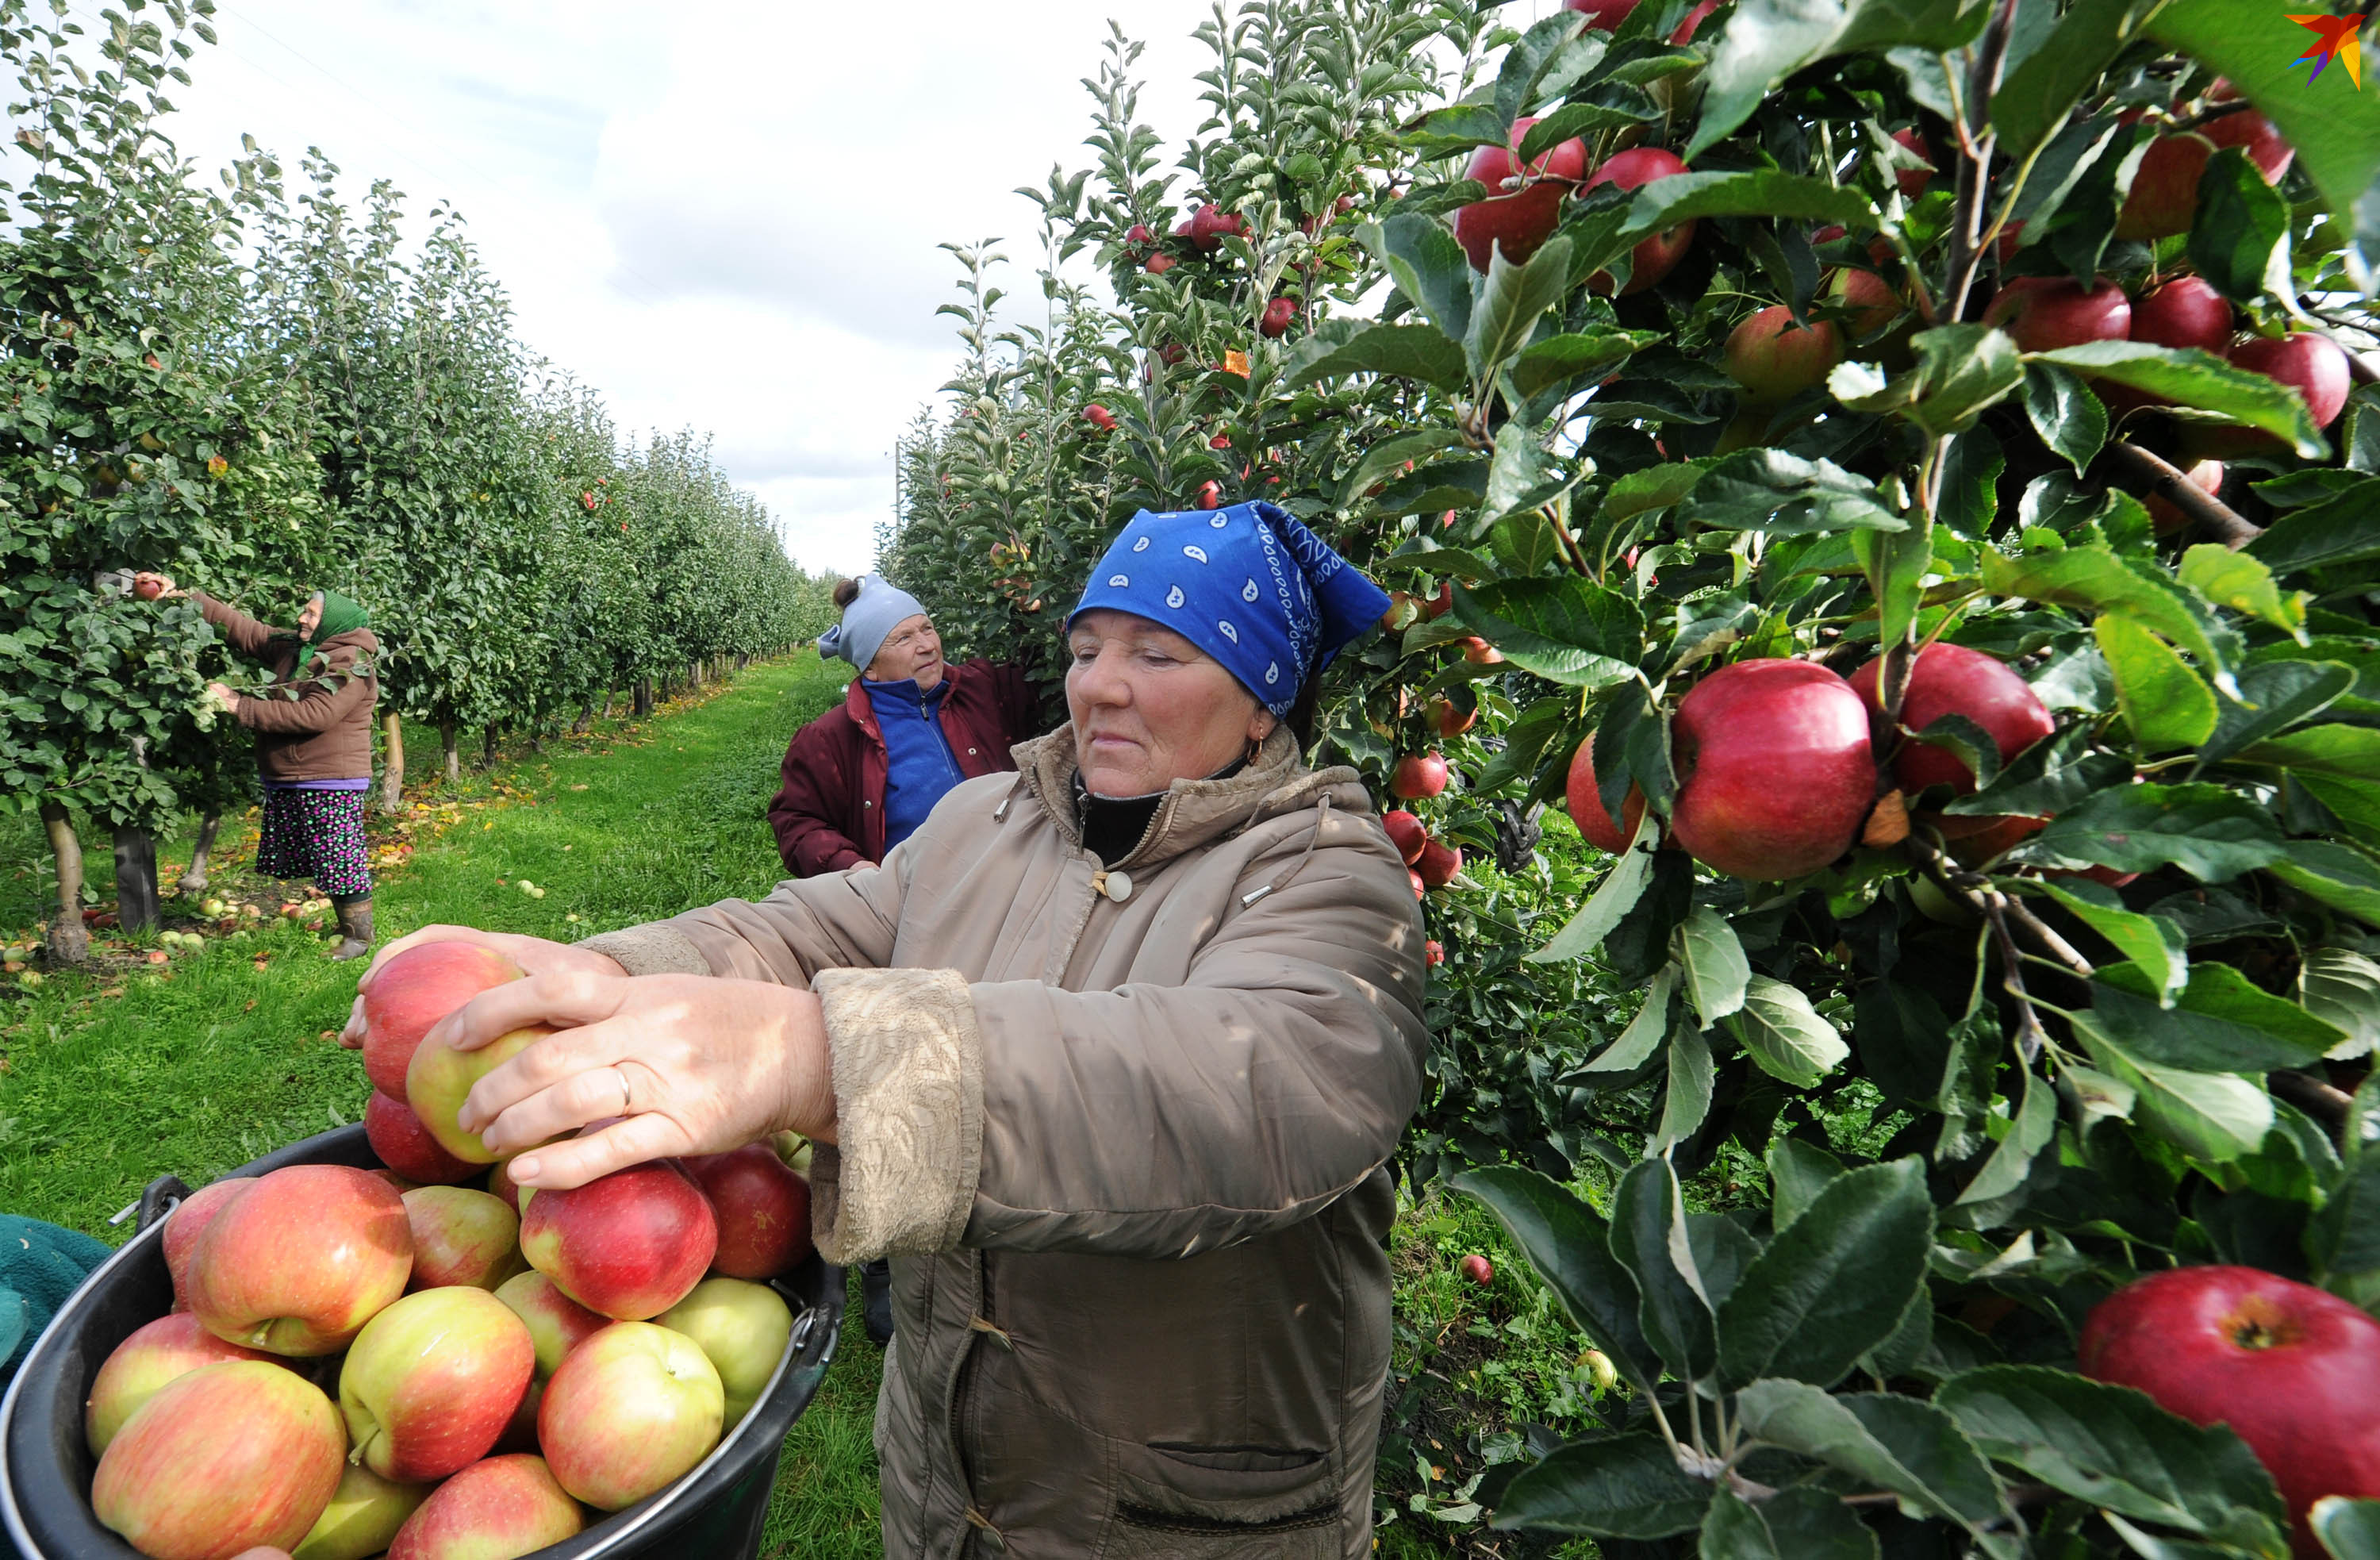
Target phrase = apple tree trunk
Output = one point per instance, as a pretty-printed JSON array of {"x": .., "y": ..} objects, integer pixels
[
  {"x": 392, "y": 778},
  {"x": 69, "y": 942},
  {"x": 194, "y": 876},
  {"x": 451, "y": 742}
]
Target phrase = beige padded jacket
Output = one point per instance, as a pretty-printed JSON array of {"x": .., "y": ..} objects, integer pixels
[{"x": 1124, "y": 1133}]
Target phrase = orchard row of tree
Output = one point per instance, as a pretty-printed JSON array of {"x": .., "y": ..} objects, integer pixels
[
  {"x": 1904, "y": 476},
  {"x": 264, "y": 392}
]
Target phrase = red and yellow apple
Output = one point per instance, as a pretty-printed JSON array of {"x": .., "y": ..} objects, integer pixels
[
  {"x": 406, "y": 1147},
  {"x": 461, "y": 1237},
  {"x": 409, "y": 992},
  {"x": 1775, "y": 359},
  {"x": 503, "y": 1506},
  {"x": 363, "y": 1516},
  {"x": 742, "y": 1329},
  {"x": 631, "y": 1411},
  {"x": 433, "y": 1381},
  {"x": 299, "y": 1263},
  {"x": 170, "y": 1347},
  {"x": 439, "y": 1077},
  {"x": 556, "y": 1323},
  {"x": 187, "y": 1221},
  {"x": 763, "y": 1210},
  {"x": 628, "y": 1245},
  {"x": 221, "y": 1459}
]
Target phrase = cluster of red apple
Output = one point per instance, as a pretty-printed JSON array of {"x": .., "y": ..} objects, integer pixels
[
  {"x": 1775, "y": 760},
  {"x": 1201, "y": 232},
  {"x": 359, "y": 1362}
]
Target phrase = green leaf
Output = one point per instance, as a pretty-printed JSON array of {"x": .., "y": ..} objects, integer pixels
[
  {"x": 1648, "y": 1238},
  {"x": 1687, "y": 1099},
  {"x": 2091, "y": 576},
  {"x": 2166, "y": 703},
  {"x": 1656, "y": 487},
  {"x": 2342, "y": 988},
  {"x": 1617, "y": 1487},
  {"x": 1899, "y": 1444},
  {"x": 2221, "y": 1022},
  {"x": 1792, "y": 1524},
  {"x": 1567, "y": 1244},
  {"x": 2343, "y": 529},
  {"x": 1402, "y": 351},
  {"x": 1832, "y": 1285},
  {"x": 1962, "y": 370},
  {"x": 1766, "y": 41},
  {"x": 2115, "y": 1448},
  {"x": 1612, "y": 112},
  {"x": 1525, "y": 62},
  {"x": 1612, "y": 899},
  {"x": 2070, "y": 419},
  {"x": 1384, "y": 457},
  {"x": 1643, "y": 1034},
  {"x": 2335, "y": 128},
  {"x": 1784, "y": 1034},
  {"x": 2212, "y": 1116},
  {"x": 1761, "y": 192},
  {"x": 2240, "y": 224},
  {"x": 1515, "y": 297},
  {"x": 1568, "y": 630},
  {"x": 2210, "y": 832},
  {"x": 2030, "y": 1129},
  {"x": 1896, "y": 564},
  {"x": 2152, "y": 943},
  {"x": 2190, "y": 377},
  {"x": 2046, "y": 779},
  {"x": 1799, "y": 1171},
  {"x": 2343, "y": 1239},
  {"x": 2274, "y": 696},
  {"x": 1768, "y": 490},
  {"x": 1558, "y": 359},
  {"x": 1715, "y": 970},
  {"x": 2348, "y": 1529},
  {"x": 2351, "y": 750},
  {"x": 1967, "y": 742},
  {"x": 1466, "y": 124},
  {"x": 2333, "y": 874},
  {"x": 2038, "y": 94},
  {"x": 1428, "y": 266},
  {"x": 2244, "y": 584}
]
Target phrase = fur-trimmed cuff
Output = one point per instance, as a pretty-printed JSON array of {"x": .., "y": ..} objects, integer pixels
[
  {"x": 654, "y": 948},
  {"x": 909, "y": 1096}
]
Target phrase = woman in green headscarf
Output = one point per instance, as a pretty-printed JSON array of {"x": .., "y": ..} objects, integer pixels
[{"x": 313, "y": 724}]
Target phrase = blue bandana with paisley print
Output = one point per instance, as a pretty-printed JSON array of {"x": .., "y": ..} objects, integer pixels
[{"x": 1249, "y": 585}]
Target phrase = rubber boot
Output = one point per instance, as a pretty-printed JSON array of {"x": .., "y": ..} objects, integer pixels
[
  {"x": 876, "y": 1299},
  {"x": 355, "y": 920}
]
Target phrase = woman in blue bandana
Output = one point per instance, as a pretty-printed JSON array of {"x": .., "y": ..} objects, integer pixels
[{"x": 1109, "y": 1056}]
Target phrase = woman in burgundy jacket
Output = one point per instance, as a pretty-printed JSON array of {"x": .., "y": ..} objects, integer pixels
[{"x": 860, "y": 778}]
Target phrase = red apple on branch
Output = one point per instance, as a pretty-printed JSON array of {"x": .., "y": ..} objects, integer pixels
[
  {"x": 2164, "y": 197},
  {"x": 1606, "y": 15},
  {"x": 1951, "y": 679},
  {"x": 221, "y": 1459},
  {"x": 1870, "y": 297},
  {"x": 299, "y": 1263},
  {"x": 2043, "y": 314},
  {"x": 2293, "y": 1369},
  {"x": 1438, "y": 864},
  {"x": 1586, "y": 810},
  {"x": 630, "y": 1411},
  {"x": 433, "y": 1381},
  {"x": 2185, "y": 311},
  {"x": 1912, "y": 181},
  {"x": 1418, "y": 775},
  {"x": 509, "y": 1505},
  {"x": 1775, "y": 359},
  {"x": 1406, "y": 833},
  {"x": 1522, "y": 207},
  {"x": 413, "y": 991},
  {"x": 1278, "y": 316},
  {"x": 2207, "y": 476},
  {"x": 1656, "y": 257},
  {"x": 163, "y": 1351},
  {"x": 628, "y": 1245},
  {"x": 762, "y": 1207},
  {"x": 1775, "y": 770},
  {"x": 2312, "y": 365}
]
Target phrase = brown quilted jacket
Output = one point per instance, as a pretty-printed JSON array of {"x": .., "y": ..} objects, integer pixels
[
  {"x": 1125, "y": 1134},
  {"x": 320, "y": 726}
]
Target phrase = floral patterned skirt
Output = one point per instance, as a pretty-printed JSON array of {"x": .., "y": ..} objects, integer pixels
[{"x": 317, "y": 834}]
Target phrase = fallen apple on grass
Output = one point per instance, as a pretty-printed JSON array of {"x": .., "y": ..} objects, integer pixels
[
  {"x": 300, "y": 1262},
  {"x": 628, "y": 1245},
  {"x": 505, "y": 1505},
  {"x": 762, "y": 1209},
  {"x": 363, "y": 1516},
  {"x": 461, "y": 1237},
  {"x": 742, "y": 1328},
  {"x": 165, "y": 1350},
  {"x": 630, "y": 1411},
  {"x": 225, "y": 1458},
  {"x": 433, "y": 1381}
]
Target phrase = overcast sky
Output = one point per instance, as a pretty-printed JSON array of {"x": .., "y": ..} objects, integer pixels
[{"x": 721, "y": 213}]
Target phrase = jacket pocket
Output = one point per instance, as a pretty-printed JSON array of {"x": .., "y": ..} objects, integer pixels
[{"x": 1176, "y": 1502}]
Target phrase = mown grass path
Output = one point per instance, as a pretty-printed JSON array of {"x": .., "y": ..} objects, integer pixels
[{"x": 198, "y": 1065}]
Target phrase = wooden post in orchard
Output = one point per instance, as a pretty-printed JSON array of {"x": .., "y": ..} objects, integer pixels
[{"x": 391, "y": 779}]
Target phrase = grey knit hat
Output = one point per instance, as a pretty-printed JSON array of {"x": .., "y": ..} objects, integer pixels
[{"x": 880, "y": 607}]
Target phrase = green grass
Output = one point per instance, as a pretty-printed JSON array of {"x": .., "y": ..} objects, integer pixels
[{"x": 111, "y": 1078}]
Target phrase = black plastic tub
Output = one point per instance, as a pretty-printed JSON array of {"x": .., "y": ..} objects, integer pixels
[{"x": 45, "y": 1467}]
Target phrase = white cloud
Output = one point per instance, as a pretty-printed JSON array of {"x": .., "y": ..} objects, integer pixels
[{"x": 720, "y": 213}]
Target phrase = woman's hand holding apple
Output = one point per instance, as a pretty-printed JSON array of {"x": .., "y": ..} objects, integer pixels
[
  {"x": 668, "y": 1064},
  {"x": 536, "y": 954}
]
